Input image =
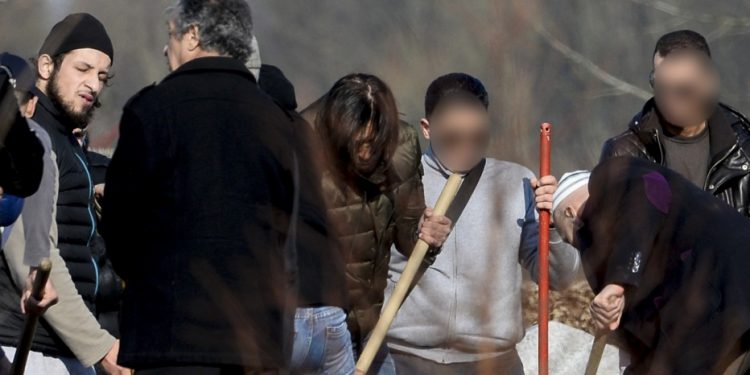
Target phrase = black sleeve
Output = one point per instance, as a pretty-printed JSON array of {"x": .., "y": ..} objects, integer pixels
[
  {"x": 608, "y": 150},
  {"x": 320, "y": 260},
  {"x": 126, "y": 193},
  {"x": 21, "y": 153},
  {"x": 639, "y": 220}
]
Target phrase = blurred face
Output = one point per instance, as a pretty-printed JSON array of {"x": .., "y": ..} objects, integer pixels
[
  {"x": 459, "y": 132},
  {"x": 686, "y": 88},
  {"x": 76, "y": 84}
]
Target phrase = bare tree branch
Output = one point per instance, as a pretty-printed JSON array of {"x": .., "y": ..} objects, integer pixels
[
  {"x": 616, "y": 83},
  {"x": 720, "y": 31},
  {"x": 676, "y": 11}
]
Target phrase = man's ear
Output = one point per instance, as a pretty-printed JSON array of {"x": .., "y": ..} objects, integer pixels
[
  {"x": 570, "y": 212},
  {"x": 30, "y": 107},
  {"x": 193, "y": 36},
  {"x": 45, "y": 65},
  {"x": 425, "y": 125}
]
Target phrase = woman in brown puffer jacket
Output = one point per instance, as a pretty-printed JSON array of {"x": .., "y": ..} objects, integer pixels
[{"x": 372, "y": 182}]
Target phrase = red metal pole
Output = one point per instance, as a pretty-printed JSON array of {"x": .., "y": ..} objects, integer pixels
[{"x": 544, "y": 219}]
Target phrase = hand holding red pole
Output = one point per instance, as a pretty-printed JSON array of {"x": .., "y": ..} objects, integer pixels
[{"x": 544, "y": 222}]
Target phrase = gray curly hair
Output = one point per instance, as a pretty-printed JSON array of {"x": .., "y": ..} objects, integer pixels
[{"x": 224, "y": 26}]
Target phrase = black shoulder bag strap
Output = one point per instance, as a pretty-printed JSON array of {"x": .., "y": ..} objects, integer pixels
[
  {"x": 469, "y": 184},
  {"x": 471, "y": 180}
]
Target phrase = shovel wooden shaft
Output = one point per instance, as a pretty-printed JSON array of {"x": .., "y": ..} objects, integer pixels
[
  {"x": 402, "y": 286},
  {"x": 27, "y": 336},
  {"x": 597, "y": 348},
  {"x": 595, "y": 357},
  {"x": 545, "y": 141}
]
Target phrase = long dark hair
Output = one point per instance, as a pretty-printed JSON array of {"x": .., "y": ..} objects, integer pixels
[{"x": 355, "y": 102}]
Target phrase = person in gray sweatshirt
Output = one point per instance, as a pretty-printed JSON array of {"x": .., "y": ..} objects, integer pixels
[{"x": 464, "y": 314}]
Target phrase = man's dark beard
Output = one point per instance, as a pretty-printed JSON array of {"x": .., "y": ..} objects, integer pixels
[{"x": 69, "y": 118}]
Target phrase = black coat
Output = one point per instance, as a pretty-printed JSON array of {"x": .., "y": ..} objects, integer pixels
[
  {"x": 322, "y": 274},
  {"x": 109, "y": 292},
  {"x": 198, "y": 220},
  {"x": 20, "y": 150},
  {"x": 320, "y": 258},
  {"x": 682, "y": 256},
  {"x": 729, "y": 168},
  {"x": 274, "y": 83}
]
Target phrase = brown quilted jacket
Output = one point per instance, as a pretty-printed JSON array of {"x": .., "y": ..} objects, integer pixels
[{"x": 370, "y": 215}]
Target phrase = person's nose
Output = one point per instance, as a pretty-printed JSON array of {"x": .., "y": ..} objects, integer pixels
[
  {"x": 365, "y": 152},
  {"x": 93, "y": 83}
]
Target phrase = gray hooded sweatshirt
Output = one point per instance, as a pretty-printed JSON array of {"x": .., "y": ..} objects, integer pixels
[{"x": 467, "y": 306}]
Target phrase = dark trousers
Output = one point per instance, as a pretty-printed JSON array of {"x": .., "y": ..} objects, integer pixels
[
  {"x": 204, "y": 370},
  {"x": 506, "y": 364}
]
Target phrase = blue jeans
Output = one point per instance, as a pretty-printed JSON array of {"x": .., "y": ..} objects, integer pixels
[{"x": 322, "y": 343}]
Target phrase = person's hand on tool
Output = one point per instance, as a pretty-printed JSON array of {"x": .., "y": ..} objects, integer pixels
[
  {"x": 606, "y": 308},
  {"x": 544, "y": 188},
  {"x": 434, "y": 229},
  {"x": 29, "y": 304}
]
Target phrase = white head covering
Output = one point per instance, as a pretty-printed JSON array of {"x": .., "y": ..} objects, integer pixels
[
  {"x": 569, "y": 183},
  {"x": 253, "y": 62}
]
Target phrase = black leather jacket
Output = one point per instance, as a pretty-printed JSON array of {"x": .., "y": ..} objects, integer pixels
[{"x": 729, "y": 169}]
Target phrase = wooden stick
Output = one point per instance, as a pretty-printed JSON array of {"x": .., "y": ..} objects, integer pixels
[
  {"x": 402, "y": 286},
  {"x": 545, "y": 139},
  {"x": 595, "y": 357},
  {"x": 27, "y": 336},
  {"x": 597, "y": 348}
]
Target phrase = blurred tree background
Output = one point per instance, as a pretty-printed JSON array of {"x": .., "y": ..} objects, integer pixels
[{"x": 580, "y": 64}]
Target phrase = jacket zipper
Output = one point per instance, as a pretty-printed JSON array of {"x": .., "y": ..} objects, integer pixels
[
  {"x": 93, "y": 222},
  {"x": 711, "y": 170}
]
